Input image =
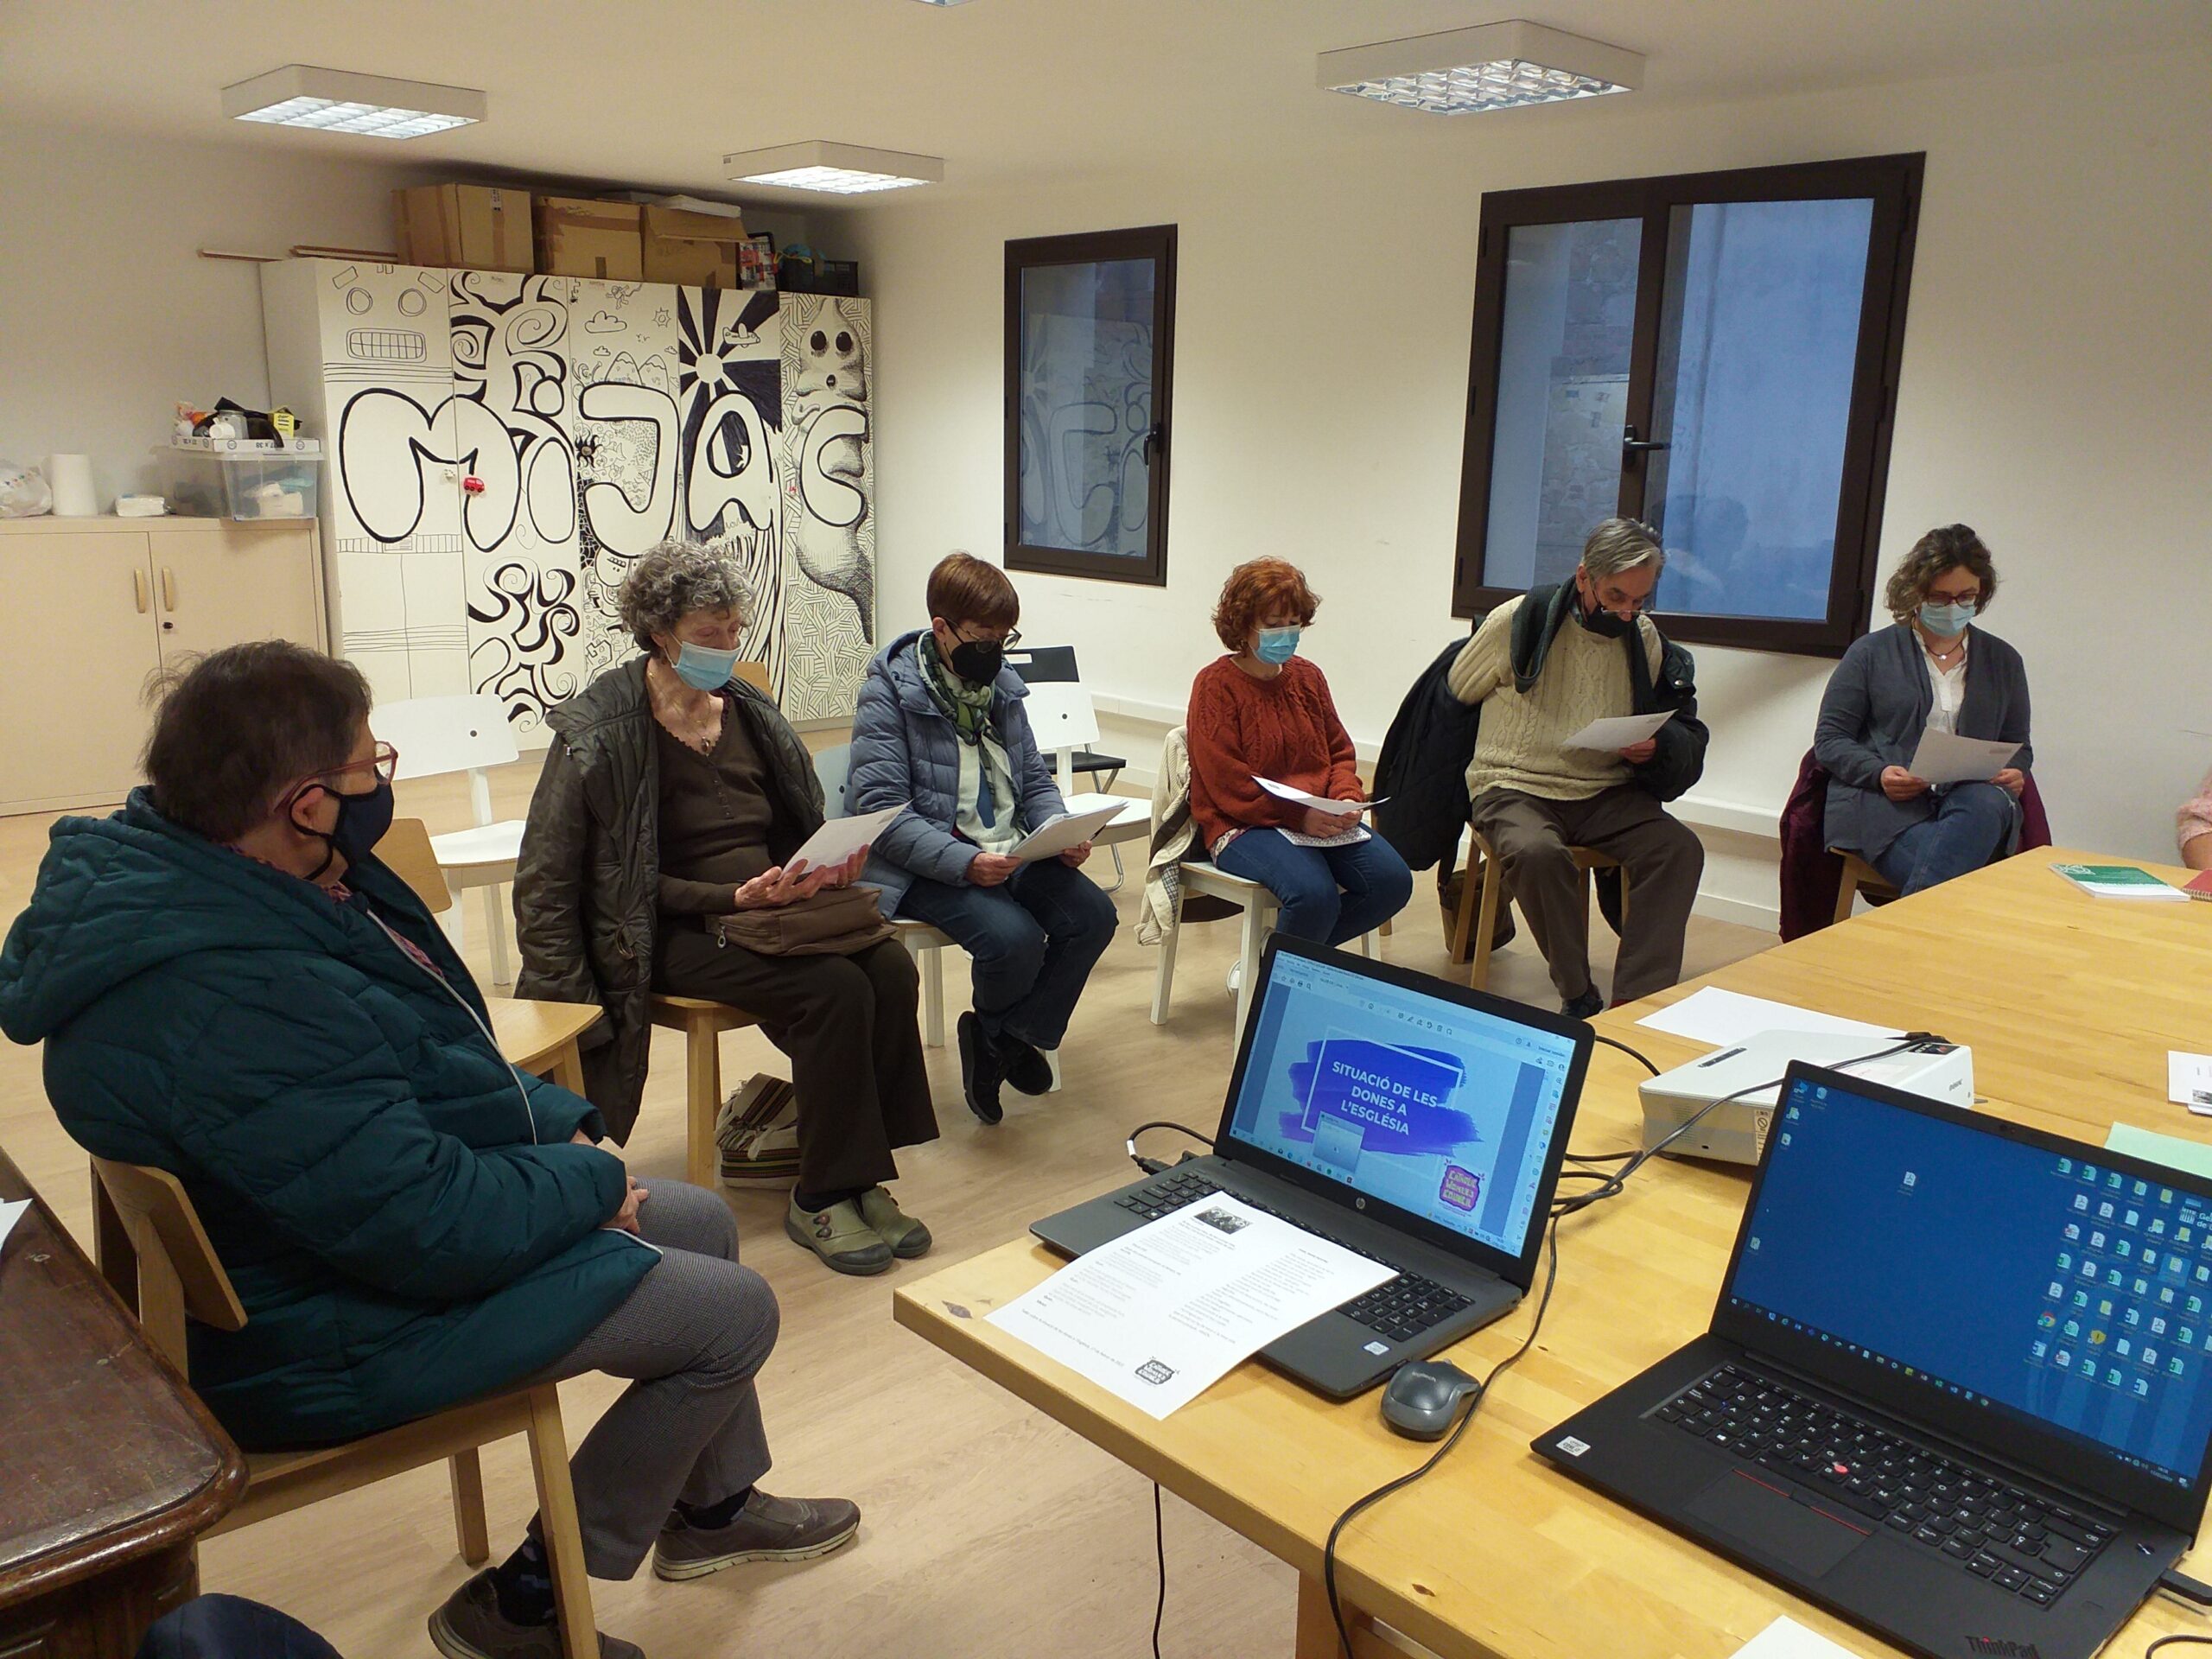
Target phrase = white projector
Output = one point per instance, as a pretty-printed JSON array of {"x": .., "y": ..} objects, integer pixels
[{"x": 1737, "y": 1132}]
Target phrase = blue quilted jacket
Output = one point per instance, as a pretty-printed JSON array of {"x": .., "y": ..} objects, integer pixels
[
  {"x": 401, "y": 1238},
  {"x": 904, "y": 748}
]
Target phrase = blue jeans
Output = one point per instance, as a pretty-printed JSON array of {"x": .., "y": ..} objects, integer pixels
[
  {"x": 1035, "y": 939},
  {"x": 1374, "y": 880},
  {"x": 1972, "y": 824}
]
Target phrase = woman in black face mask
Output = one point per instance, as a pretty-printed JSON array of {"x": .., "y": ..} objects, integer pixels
[{"x": 940, "y": 724}]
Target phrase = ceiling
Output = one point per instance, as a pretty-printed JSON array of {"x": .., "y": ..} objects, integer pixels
[{"x": 1008, "y": 92}]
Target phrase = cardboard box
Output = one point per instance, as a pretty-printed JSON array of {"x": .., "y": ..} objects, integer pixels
[
  {"x": 464, "y": 227},
  {"x": 699, "y": 250},
  {"x": 577, "y": 238}
]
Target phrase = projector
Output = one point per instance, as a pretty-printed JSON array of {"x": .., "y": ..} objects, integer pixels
[{"x": 1736, "y": 1133}]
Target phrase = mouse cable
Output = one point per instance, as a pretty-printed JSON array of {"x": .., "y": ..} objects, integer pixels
[
  {"x": 1153, "y": 1165},
  {"x": 1610, "y": 1042},
  {"x": 1474, "y": 1404},
  {"x": 1610, "y": 1157},
  {"x": 1613, "y": 1185},
  {"x": 1159, "y": 1550}
]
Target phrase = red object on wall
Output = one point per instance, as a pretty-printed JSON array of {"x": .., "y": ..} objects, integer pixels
[{"x": 472, "y": 484}]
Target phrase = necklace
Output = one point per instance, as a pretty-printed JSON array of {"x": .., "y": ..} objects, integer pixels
[{"x": 702, "y": 735}]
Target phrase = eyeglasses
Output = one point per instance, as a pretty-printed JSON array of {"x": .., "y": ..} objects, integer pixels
[
  {"x": 1013, "y": 639},
  {"x": 386, "y": 759},
  {"x": 1971, "y": 597}
]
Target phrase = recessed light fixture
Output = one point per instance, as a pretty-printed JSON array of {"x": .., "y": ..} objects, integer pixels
[
  {"x": 945, "y": 3},
  {"x": 336, "y": 101},
  {"x": 839, "y": 169},
  {"x": 1493, "y": 67}
]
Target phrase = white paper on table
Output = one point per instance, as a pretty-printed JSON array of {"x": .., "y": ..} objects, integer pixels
[
  {"x": 1617, "y": 732},
  {"x": 1342, "y": 809},
  {"x": 9, "y": 1215},
  {"x": 1351, "y": 837},
  {"x": 2188, "y": 1081},
  {"x": 1726, "y": 1018},
  {"x": 840, "y": 838},
  {"x": 1058, "y": 835},
  {"x": 1947, "y": 758},
  {"x": 1787, "y": 1639},
  {"x": 1160, "y": 1314}
]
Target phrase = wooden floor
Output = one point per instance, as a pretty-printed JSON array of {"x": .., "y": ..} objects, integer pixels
[{"x": 988, "y": 1530}]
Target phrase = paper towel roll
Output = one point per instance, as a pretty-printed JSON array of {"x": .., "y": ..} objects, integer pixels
[{"x": 70, "y": 477}]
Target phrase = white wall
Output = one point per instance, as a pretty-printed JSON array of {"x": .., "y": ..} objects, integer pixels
[{"x": 2056, "y": 373}]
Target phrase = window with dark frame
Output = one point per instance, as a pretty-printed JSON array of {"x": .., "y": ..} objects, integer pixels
[
  {"x": 1715, "y": 353},
  {"x": 1090, "y": 357}
]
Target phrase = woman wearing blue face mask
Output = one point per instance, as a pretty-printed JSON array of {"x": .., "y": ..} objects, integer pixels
[
  {"x": 658, "y": 856},
  {"x": 1936, "y": 669},
  {"x": 1264, "y": 711}
]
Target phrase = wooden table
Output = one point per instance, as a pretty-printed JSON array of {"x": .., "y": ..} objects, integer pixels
[
  {"x": 109, "y": 1466},
  {"x": 2069, "y": 1002}
]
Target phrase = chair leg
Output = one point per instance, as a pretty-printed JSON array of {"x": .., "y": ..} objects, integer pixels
[
  {"x": 469, "y": 1524},
  {"x": 1257, "y": 916},
  {"x": 1485, "y": 934},
  {"x": 1847, "y": 892},
  {"x": 930, "y": 961},
  {"x": 1120, "y": 875},
  {"x": 1368, "y": 948},
  {"x": 702, "y": 1069},
  {"x": 1463, "y": 925},
  {"x": 557, "y": 1518},
  {"x": 1052, "y": 1060},
  {"x": 495, "y": 936},
  {"x": 1163, "y": 982},
  {"x": 1385, "y": 929}
]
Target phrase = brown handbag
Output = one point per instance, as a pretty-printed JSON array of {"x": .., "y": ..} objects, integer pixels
[{"x": 833, "y": 923}]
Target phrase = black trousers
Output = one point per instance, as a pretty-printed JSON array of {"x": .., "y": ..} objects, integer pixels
[{"x": 848, "y": 1024}]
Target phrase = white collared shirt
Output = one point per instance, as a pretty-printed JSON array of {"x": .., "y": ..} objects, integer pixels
[{"x": 1949, "y": 685}]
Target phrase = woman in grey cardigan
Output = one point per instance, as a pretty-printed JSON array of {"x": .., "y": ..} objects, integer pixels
[{"x": 1934, "y": 669}]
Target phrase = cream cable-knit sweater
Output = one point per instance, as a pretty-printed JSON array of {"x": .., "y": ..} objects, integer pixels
[{"x": 1519, "y": 745}]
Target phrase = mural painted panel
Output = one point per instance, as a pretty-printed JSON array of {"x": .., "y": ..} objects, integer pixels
[{"x": 829, "y": 495}]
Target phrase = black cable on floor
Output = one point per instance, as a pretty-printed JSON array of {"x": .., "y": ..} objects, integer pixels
[
  {"x": 1159, "y": 1549},
  {"x": 1474, "y": 1404}
]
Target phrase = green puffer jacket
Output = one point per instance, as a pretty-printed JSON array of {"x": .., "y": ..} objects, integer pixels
[{"x": 401, "y": 1238}]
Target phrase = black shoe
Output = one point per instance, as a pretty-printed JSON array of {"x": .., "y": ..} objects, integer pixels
[
  {"x": 1588, "y": 1006},
  {"x": 980, "y": 1073},
  {"x": 1024, "y": 1067}
]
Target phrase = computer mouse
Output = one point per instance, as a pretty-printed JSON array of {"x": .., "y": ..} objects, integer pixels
[{"x": 1422, "y": 1401}]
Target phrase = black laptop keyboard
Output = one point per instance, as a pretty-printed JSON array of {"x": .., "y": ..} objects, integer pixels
[
  {"x": 1398, "y": 1310},
  {"x": 2018, "y": 1540}
]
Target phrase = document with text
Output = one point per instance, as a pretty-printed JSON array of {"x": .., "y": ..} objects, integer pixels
[
  {"x": 1617, "y": 732},
  {"x": 1160, "y": 1314},
  {"x": 1947, "y": 758}
]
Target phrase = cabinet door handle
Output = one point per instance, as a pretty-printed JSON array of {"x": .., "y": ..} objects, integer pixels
[
  {"x": 138, "y": 586},
  {"x": 168, "y": 588}
]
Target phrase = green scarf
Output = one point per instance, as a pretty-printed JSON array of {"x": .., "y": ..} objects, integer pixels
[{"x": 969, "y": 707}]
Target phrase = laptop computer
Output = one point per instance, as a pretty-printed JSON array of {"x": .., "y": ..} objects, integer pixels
[
  {"x": 1957, "y": 1387},
  {"x": 1416, "y": 1122}
]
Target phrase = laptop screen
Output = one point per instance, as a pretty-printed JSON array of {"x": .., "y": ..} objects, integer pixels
[
  {"x": 2018, "y": 1280},
  {"x": 1446, "y": 1111}
]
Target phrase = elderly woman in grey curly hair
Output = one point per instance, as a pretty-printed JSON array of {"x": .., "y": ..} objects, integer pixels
[{"x": 671, "y": 803}]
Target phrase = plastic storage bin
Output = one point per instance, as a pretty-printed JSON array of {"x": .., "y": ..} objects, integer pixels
[{"x": 241, "y": 478}]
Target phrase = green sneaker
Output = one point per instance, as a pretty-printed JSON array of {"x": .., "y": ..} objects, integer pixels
[
  {"x": 840, "y": 1237},
  {"x": 907, "y": 1237}
]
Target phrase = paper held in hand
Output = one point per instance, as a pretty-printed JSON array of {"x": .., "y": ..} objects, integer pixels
[
  {"x": 1319, "y": 802},
  {"x": 1945, "y": 758},
  {"x": 840, "y": 838},
  {"x": 1617, "y": 732},
  {"x": 1057, "y": 835}
]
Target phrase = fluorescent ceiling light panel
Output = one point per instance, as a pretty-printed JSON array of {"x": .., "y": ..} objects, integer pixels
[
  {"x": 335, "y": 100},
  {"x": 1495, "y": 66},
  {"x": 945, "y": 3},
  {"x": 837, "y": 169}
]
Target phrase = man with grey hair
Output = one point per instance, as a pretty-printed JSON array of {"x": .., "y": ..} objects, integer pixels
[{"x": 1541, "y": 683}]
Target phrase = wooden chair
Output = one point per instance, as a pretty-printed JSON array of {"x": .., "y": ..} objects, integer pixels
[
  {"x": 1860, "y": 876},
  {"x": 1476, "y": 926},
  {"x": 174, "y": 1274},
  {"x": 702, "y": 1024}
]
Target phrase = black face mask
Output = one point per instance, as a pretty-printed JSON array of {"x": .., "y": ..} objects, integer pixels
[
  {"x": 362, "y": 821},
  {"x": 977, "y": 661},
  {"x": 1601, "y": 621}
]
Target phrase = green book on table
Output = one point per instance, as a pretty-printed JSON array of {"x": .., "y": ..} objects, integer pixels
[{"x": 2117, "y": 882}]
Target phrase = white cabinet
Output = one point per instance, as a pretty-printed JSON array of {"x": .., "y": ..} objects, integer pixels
[
  {"x": 501, "y": 448},
  {"x": 97, "y": 606}
]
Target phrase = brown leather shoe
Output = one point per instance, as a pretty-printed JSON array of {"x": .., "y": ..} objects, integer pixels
[
  {"x": 470, "y": 1626},
  {"x": 766, "y": 1529}
]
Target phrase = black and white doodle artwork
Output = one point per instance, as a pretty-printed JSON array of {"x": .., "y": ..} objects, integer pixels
[
  {"x": 729, "y": 386},
  {"x": 626, "y": 446},
  {"x": 829, "y": 492},
  {"x": 525, "y": 634}
]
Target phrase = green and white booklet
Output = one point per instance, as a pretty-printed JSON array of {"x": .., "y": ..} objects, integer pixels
[{"x": 2118, "y": 881}]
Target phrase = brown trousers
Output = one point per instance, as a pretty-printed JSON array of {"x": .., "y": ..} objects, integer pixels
[
  {"x": 1663, "y": 859},
  {"x": 849, "y": 1026}
]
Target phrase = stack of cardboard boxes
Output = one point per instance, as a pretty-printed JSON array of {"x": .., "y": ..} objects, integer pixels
[{"x": 478, "y": 228}]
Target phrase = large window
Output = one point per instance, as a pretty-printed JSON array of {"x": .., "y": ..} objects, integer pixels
[
  {"x": 1090, "y": 346},
  {"x": 1714, "y": 354}
]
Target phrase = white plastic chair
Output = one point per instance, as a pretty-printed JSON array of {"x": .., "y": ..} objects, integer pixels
[
  {"x": 926, "y": 944},
  {"x": 436, "y": 736},
  {"x": 1063, "y": 719}
]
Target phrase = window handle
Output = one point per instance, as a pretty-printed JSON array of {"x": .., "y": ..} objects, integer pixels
[
  {"x": 1632, "y": 445},
  {"x": 1155, "y": 440}
]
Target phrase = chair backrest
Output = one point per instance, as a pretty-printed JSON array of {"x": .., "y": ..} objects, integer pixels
[
  {"x": 1061, "y": 715},
  {"x": 832, "y": 767},
  {"x": 179, "y": 1274},
  {"x": 435, "y": 736},
  {"x": 405, "y": 849},
  {"x": 1039, "y": 665},
  {"x": 756, "y": 676}
]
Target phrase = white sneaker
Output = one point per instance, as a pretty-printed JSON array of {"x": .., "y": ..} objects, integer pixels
[{"x": 1236, "y": 975}]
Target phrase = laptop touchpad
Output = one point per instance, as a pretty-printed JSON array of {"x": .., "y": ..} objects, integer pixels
[{"x": 1773, "y": 1526}]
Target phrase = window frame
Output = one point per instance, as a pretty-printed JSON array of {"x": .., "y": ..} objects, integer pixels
[
  {"x": 1157, "y": 243},
  {"x": 1893, "y": 182}
]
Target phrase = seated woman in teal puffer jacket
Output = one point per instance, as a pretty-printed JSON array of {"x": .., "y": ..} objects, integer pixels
[{"x": 232, "y": 988}]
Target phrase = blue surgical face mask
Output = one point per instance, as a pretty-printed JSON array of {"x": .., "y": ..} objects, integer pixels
[
  {"x": 702, "y": 668},
  {"x": 1276, "y": 644},
  {"x": 1945, "y": 620}
]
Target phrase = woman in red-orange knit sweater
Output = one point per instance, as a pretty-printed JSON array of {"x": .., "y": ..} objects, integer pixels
[{"x": 1264, "y": 710}]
